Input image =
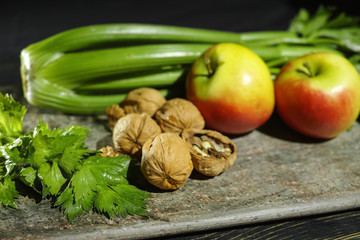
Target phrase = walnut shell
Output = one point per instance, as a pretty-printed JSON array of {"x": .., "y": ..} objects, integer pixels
[
  {"x": 143, "y": 100},
  {"x": 166, "y": 161},
  {"x": 178, "y": 114},
  {"x": 132, "y": 131},
  {"x": 114, "y": 113},
  {"x": 212, "y": 153}
]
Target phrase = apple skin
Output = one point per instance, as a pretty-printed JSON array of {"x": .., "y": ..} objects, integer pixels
[
  {"x": 318, "y": 94},
  {"x": 232, "y": 87}
]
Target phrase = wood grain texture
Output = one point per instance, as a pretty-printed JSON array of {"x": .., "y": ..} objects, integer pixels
[{"x": 339, "y": 226}]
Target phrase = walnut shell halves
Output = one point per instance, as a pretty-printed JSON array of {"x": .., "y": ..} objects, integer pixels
[{"x": 212, "y": 153}]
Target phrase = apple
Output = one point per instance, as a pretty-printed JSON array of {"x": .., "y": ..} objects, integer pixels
[
  {"x": 318, "y": 94},
  {"x": 232, "y": 87}
]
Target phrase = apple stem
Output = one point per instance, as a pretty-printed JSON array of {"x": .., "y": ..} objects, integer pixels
[
  {"x": 307, "y": 71},
  {"x": 208, "y": 66}
]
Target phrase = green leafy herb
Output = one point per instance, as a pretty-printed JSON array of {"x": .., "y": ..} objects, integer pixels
[
  {"x": 11, "y": 118},
  {"x": 8, "y": 192},
  {"x": 105, "y": 187},
  {"x": 325, "y": 27},
  {"x": 78, "y": 179},
  {"x": 324, "y": 18}
]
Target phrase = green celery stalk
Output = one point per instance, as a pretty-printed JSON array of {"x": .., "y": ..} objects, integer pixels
[
  {"x": 47, "y": 95},
  {"x": 131, "y": 81},
  {"x": 96, "y": 36},
  {"x": 86, "y": 69},
  {"x": 75, "y": 69}
]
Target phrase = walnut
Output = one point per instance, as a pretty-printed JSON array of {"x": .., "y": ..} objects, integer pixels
[
  {"x": 108, "y": 151},
  {"x": 143, "y": 100},
  {"x": 114, "y": 113},
  {"x": 166, "y": 161},
  {"x": 132, "y": 131},
  {"x": 212, "y": 153},
  {"x": 178, "y": 114}
]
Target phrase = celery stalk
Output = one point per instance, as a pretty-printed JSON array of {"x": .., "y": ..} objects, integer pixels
[
  {"x": 96, "y": 36},
  {"x": 86, "y": 69},
  {"x": 75, "y": 69},
  {"x": 132, "y": 81},
  {"x": 47, "y": 95}
]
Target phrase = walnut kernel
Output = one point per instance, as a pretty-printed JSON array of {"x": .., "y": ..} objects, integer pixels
[
  {"x": 108, "y": 151},
  {"x": 212, "y": 153}
]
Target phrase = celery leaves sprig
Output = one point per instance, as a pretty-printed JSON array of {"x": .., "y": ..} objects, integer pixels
[
  {"x": 56, "y": 164},
  {"x": 11, "y": 118},
  {"x": 325, "y": 27},
  {"x": 106, "y": 188}
]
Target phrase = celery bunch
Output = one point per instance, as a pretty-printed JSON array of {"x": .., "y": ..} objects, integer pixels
[{"x": 84, "y": 70}]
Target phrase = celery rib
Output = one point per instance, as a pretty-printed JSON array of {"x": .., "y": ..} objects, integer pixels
[
  {"x": 105, "y": 34},
  {"x": 130, "y": 81},
  {"x": 47, "y": 95},
  {"x": 75, "y": 69}
]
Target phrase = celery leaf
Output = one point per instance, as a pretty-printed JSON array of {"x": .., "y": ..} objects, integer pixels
[
  {"x": 65, "y": 146},
  {"x": 57, "y": 151},
  {"x": 11, "y": 118},
  {"x": 8, "y": 192},
  {"x": 51, "y": 177},
  {"x": 28, "y": 176},
  {"x": 324, "y": 18},
  {"x": 101, "y": 183}
]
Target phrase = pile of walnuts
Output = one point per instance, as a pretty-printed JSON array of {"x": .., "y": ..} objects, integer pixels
[{"x": 168, "y": 138}]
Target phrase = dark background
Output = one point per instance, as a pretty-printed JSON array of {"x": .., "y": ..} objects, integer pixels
[{"x": 26, "y": 22}]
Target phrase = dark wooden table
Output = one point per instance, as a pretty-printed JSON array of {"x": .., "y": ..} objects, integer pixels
[{"x": 341, "y": 225}]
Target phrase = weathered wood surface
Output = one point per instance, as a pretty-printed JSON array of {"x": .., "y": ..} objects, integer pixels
[
  {"x": 279, "y": 174},
  {"x": 335, "y": 226}
]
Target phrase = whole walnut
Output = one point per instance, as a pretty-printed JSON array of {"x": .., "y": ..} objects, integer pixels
[
  {"x": 132, "y": 131},
  {"x": 166, "y": 161},
  {"x": 178, "y": 114},
  {"x": 212, "y": 153},
  {"x": 114, "y": 113},
  {"x": 143, "y": 100}
]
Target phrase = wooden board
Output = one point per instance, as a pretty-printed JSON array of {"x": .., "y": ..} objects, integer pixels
[{"x": 278, "y": 174}]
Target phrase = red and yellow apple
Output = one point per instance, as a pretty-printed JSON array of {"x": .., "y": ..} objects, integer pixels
[
  {"x": 232, "y": 88},
  {"x": 318, "y": 94}
]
